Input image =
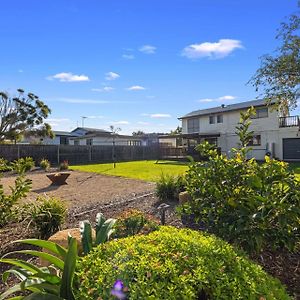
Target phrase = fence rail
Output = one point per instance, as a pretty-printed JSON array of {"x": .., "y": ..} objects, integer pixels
[
  {"x": 290, "y": 121},
  {"x": 79, "y": 154}
]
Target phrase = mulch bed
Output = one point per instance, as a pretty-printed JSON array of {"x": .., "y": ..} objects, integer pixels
[{"x": 283, "y": 265}]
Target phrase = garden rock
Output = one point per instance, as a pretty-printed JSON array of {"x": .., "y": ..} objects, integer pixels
[{"x": 184, "y": 197}]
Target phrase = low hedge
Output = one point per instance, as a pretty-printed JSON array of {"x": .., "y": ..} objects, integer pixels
[{"x": 174, "y": 264}]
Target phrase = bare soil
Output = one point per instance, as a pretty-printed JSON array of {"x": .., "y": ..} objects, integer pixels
[{"x": 83, "y": 188}]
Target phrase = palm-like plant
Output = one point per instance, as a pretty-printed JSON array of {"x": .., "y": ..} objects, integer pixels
[{"x": 44, "y": 283}]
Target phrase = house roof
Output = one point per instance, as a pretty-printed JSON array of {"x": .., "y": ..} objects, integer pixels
[
  {"x": 92, "y": 135},
  {"x": 87, "y": 129},
  {"x": 62, "y": 133},
  {"x": 225, "y": 108}
]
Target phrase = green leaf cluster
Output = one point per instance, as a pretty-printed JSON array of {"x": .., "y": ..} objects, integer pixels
[
  {"x": 37, "y": 283},
  {"x": 45, "y": 164},
  {"x": 174, "y": 264},
  {"x": 46, "y": 215},
  {"x": 104, "y": 229},
  {"x": 7, "y": 201},
  {"x": 169, "y": 186},
  {"x": 23, "y": 165},
  {"x": 132, "y": 222},
  {"x": 255, "y": 205}
]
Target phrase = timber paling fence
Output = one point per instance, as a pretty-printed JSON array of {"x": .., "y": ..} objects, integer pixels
[{"x": 79, "y": 154}]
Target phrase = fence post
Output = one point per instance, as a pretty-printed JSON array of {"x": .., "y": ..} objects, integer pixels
[
  {"x": 90, "y": 153},
  {"x": 18, "y": 151},
  {"x": 58, "y": 158}
]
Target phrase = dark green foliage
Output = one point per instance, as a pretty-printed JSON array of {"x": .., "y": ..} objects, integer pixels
[
  {"x": 23, "y": 115},
  {"x": 45, "y": 164},
  {"x": 63, "y": 166},
  {"x": 104, "y": 229},
  {"x": 7, "y": 201},
  {"x": 46, "y": 215},
  {"x": 168, "y": 187},
  {"x": 278, "y": 77},
  {"x": 133, "y": 222},
  {"x": 49, "y": 283},
  {"x": 4, "y": 165},
  {"x": 23, "y": 165},
  {"x": 174, "y": 264}
]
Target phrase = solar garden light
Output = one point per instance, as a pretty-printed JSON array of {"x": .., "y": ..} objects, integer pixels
[{"x": 162, "y": 208}]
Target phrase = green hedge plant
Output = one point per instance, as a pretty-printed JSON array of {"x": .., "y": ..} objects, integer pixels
[
  {"x": 4, "y": 165},
  {"x": 172, "y": 264},
  {"x": 45, "y": 164},
  {"x": 254, "y": 205},
  {"x": 23, "y": 165}
]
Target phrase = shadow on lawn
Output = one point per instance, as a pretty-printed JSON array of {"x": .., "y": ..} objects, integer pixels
[{"x": 175, "y": 163}]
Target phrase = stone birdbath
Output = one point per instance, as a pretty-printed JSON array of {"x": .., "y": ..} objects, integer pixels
[{"x": 58, "y": 178}]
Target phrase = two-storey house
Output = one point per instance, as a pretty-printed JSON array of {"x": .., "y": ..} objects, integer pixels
[{"x": 278, "y": 136}]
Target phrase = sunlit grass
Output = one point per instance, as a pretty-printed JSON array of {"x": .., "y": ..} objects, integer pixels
[{"x": 149, "y": 170}]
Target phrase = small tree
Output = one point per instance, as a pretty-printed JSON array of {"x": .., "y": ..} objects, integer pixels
[
  {"x": 278, "y": 77},
  {"x": 23, "y": 115},
  {"x": 139, "y": 132}
]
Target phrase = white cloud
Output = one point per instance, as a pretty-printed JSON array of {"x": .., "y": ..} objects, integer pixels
[
  {"x": 143, "y": 123},
  {"x": 111, "y": 76},
  {"x": 121, "y": 123},
  {"x": 128, "y": 56},
  {"x": 147, "y": 49},
  {"x": 69, "y": 77},
  {"x": 220, "y": 99},
  {"x": 160, "y": 116},
  {"x": 136, "y": 88},
  {"x": 95, "y": 117},
  {"x": 105, "y": 89},
  {"x": 218, "y": 49},
  {"x": 205, "y": 100}
]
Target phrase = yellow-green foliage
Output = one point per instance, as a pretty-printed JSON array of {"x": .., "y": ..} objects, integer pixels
[{"x": 174, "y": 264}]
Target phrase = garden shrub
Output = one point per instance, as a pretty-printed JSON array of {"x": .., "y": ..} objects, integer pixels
[
  {"x": 4, "y": 165},
  {"x": 7, "y": 201},
  {"x": 169, "y": 186},
  {"x": 23, "y": 165},
  {"x": 45, "y": 164},
  {"x": 171, "y": 264},
  {"x": 47, "y": 215},
  {"x": 133, "y": 222},
  {"x": 63, "y": 166},
  {"x": 254, "y": 205}
]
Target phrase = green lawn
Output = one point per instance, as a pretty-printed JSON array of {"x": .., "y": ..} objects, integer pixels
[{"x": 147, "y": 170}]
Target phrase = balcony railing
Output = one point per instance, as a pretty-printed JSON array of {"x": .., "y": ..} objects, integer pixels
[{"x": 291, "y": 121}]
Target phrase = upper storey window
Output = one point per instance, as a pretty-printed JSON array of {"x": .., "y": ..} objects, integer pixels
[
  {"x": 193, "y": 125},
  {"x": 261, "y": 113}
]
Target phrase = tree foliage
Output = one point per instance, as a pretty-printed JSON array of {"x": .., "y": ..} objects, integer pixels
[
  {"x": 139, "y": 132},
  {"x": 278, "y": 77},
  {"x": 23, "y": 116},
  {"x": 178, "y": 130}
]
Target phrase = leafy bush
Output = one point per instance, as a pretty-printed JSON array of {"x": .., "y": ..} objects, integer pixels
[
  {"x": 133, "y": 222},
  {"x": 54, "y": 282},
  {"x": 7, "y": 201},
  {"x": 254, "y": 205},
  {"x": 23, "y": 165},
  {"x": 45, "y": 164},
  {"x": 64, "y": 165},
  {"x": 168, "y": 187},
  {"x": 4, "y": 165},
  {"x": 47, "y": 215},
  {"x": 104, "y": 229},
  {"x": 174, "y": 264}
]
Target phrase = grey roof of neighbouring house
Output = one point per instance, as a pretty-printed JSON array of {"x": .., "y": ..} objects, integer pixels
[
  {"x": 62, "y": 133},
  {"x": 91, "y": 129},
  {"x": 225, "y": 108}
]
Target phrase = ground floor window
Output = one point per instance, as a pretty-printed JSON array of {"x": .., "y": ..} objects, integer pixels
[{"x": 255, "y": 141}]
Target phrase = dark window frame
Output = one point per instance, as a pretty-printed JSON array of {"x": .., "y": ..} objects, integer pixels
[
  {"x": 212, "y": 119},
  {"x": 193, "y": 125},
  {"x": 256, "y": 137},
  {"x": 261, "y": 112},
  {"x": 220, "y": 118}
]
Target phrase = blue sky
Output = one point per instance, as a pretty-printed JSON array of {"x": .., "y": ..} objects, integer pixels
[{"x": 135, "y": 64}]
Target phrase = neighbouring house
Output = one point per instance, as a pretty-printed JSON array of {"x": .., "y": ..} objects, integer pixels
[
  {"x": 100, "y": 137},
  {"x": 170, "y": 140},
  {"x": 278, "y": 136}
]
